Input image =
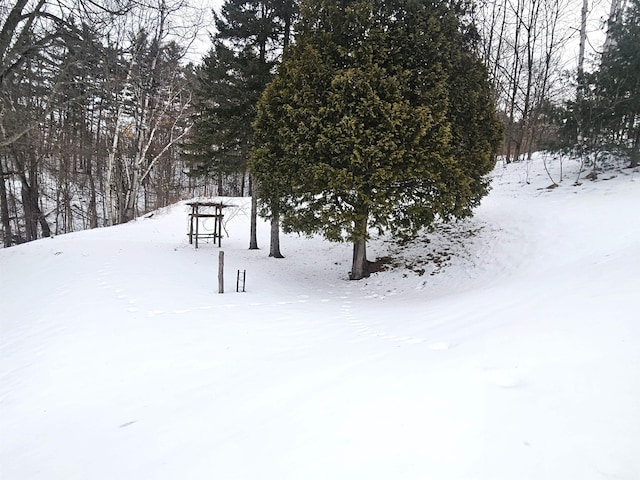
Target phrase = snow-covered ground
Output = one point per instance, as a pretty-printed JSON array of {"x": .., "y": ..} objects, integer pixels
[{"x": 503, "y": 347}]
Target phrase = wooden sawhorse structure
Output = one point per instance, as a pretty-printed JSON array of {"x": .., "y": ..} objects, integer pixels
[{"x": 205, "y": 210}]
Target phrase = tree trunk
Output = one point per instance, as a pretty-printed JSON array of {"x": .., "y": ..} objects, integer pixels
[
  {"x": 360, "y": 265},
  {"x": 113, "y": 192},
  {"x": 614, "y": 12},
  {"x": 114, "y": 187},
  {"x": 93, "y": 205},
  {"x": 581, "y": 80},
  {"x": 253, "y": 236},
  {"x": 131, "y": 195},
  {"x": 582, "y": 44},
  {"x": 274, "y": 245},
  {"x": 4, "y": 210},
  {"x": 33, "y": 216}
]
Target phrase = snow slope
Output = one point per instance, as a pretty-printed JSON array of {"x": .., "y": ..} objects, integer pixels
[{"x": 503, "y": 347}]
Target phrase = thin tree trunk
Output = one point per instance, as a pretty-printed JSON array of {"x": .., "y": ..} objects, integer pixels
[
  {"x": 614, "y": 12},
  {"x": 131, "y": 196},
  {"x": 253, "y": 240},
  {"x": 93, "y": 206},
  {"x": 4, "y": 210},
  {"x": 113, "y": 191},
  {"x": 583, "y": 42},
  {"x": 512, "y": 129},
  {"x": 274, "y": 247},
  {"x": 114, "y": 188},
  {"x": 581, "y": 83}
]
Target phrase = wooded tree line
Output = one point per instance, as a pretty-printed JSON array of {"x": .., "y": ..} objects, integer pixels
[
  {"x": 550, "y": 98},
  {"x": 525, "y": 47},
  {"x": 95, "y": 98},
  {"x": 102, "y": 118},
  {"x": 604, "y": 116}
]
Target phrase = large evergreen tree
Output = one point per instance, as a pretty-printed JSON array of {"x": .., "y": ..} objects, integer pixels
[
  {"x": 381, "y": 116},
  {"x": 249, "y": 40},
  {"x": 230, "y": 80},
  {"x": 224, "y": 102}
]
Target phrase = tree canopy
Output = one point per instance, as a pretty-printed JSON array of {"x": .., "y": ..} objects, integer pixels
[{"x": 380, "y": 116}]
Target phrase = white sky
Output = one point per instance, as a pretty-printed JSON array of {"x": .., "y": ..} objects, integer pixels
[{"x": 202, "y": 43}]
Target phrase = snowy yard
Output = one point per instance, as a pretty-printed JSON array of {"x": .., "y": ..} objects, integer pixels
[{"x": 504, "y": 347}]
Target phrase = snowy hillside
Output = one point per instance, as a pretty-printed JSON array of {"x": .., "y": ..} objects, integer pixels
[{"x": 503, "y": 347}]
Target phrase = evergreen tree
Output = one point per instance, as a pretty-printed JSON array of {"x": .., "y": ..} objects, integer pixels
[
  {"x": 230, "y": 80},
  {"x": 225, "y": 106},
  {"x": 380, "y": 116},
  {"x": 251, "y": 36},
  {"x": 619, "y": 82}
]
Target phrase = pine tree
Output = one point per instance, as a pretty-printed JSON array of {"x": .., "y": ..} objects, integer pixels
[
  {"x": 250, "y": 39},
  {"x": 230, "y": 80},
  {"x": 618, "y": 82},
  {"x": 224, "y": 108},
  {"x": 380, "y": 116}
]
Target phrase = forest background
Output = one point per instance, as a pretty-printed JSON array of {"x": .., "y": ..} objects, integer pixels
[{"x": 98, "y": 99}]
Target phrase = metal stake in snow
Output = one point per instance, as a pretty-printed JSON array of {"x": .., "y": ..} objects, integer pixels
[{"x": 221, "y": 272}]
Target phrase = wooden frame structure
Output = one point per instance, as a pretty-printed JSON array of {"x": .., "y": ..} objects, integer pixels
[{"x": 205, "y": 210}]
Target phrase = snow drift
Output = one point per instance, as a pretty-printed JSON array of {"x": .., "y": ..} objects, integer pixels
[{"x": 502, "y": 347}]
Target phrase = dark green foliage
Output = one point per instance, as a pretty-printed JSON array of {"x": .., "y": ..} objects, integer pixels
[
  {"x": 380, "y": 116},
  {"x": 619, "y": 81},
  {"x": 229, "y": 83},
  {"x": 227, "y": 89},
  {"x": 606, "y": 114}
]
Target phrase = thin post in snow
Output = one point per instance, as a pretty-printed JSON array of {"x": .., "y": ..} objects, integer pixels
[
  {"x": 244, "y": 280},
  {"x": 221, "y": 272}
]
